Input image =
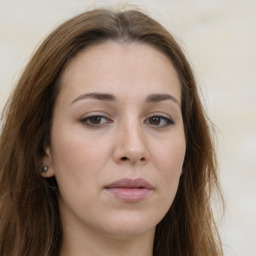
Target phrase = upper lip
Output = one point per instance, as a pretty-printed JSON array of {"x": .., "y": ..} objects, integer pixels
[{"x": 130, "y": 183}]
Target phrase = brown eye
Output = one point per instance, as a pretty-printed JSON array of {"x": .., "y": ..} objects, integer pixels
[
  {"x": 155, "y": 120},
  {"x": 95, "y": 121},
  {"x": 159, "y": 121}
]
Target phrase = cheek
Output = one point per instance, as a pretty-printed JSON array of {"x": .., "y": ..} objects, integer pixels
[
  {"x": 76, "y": 157},
  {"x": 77, "y": 162},
  {"x": 169, "y": 157},
  {"x": 75, "y": 146}
]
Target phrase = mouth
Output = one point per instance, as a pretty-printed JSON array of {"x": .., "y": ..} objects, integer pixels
[{"x": 129, "y": 190}]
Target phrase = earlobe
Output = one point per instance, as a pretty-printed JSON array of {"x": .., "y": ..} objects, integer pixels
[{"x": 46, "y": 169}]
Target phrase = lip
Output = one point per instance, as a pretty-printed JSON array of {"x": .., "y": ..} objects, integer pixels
[{"x": 130, "y": 190}]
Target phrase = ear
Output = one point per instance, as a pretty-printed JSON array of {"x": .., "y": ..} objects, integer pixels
[{"x": 47, "y": 162}]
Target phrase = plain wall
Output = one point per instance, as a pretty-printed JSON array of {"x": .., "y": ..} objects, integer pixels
[{"x": 219, "y": 38}]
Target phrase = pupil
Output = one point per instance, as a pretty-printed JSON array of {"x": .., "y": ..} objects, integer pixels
[
  {"x": 95, "y": 119},
  {"x": 155, "y": 120}
]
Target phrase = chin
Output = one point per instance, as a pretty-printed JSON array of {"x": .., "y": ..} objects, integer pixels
[{"x": 131, "y": 224}]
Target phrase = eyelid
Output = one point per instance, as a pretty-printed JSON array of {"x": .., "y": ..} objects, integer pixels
[
  {"x": 160, "y": 114},
  {"x": 96, "y": 113}
]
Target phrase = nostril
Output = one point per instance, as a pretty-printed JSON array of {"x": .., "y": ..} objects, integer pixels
[{"x": 124, "y": 158}]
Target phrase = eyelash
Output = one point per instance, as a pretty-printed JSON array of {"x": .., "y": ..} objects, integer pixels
[
  {"x": 167, "y": 121},
  {"x": 88, "y": 121}
]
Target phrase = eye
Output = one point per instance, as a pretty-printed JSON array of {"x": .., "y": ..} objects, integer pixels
[
  {"x": 95, "y": 120},
  {"x": 159, "y": 121}
]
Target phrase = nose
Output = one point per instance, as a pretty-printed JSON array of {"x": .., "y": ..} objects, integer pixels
[{"x": 131, "y": 146}]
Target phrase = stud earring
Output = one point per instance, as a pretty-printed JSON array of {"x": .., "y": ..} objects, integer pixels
[{"x": 44, "y": 169}]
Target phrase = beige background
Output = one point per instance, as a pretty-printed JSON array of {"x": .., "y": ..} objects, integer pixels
[{"x": 219, "y": 38}]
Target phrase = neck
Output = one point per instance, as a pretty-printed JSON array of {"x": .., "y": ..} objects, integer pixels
[{"x": 90, "y": 244}]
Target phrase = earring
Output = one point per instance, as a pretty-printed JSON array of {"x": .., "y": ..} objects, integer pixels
[{"x": 44, "y": 169}]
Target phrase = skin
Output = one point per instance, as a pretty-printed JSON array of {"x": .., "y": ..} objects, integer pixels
[{"x": 129, "y": 138}]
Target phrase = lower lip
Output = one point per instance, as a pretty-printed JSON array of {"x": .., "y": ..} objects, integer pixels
[{"x": 129, "y": 194}]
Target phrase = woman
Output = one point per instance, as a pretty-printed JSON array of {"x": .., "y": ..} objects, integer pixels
[{"x": 105, "y": 147}]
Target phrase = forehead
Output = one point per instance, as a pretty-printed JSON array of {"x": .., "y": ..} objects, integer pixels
[{"x": 120, "y": 68}]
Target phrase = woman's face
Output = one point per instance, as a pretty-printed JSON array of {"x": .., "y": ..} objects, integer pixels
[{"x": 117, "y": 139}]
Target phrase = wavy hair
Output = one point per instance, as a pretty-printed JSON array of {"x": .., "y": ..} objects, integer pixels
[{"x": 29, "y": 217}]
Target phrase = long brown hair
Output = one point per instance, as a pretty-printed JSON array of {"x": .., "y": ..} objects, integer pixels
[{"x": 29, "y": 216}]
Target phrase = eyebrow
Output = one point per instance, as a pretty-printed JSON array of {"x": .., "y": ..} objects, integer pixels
[
  {"x": 95, "y": 95},
  {"x": 152, "y": 98},
  {"x": 156, "y": 97}
]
